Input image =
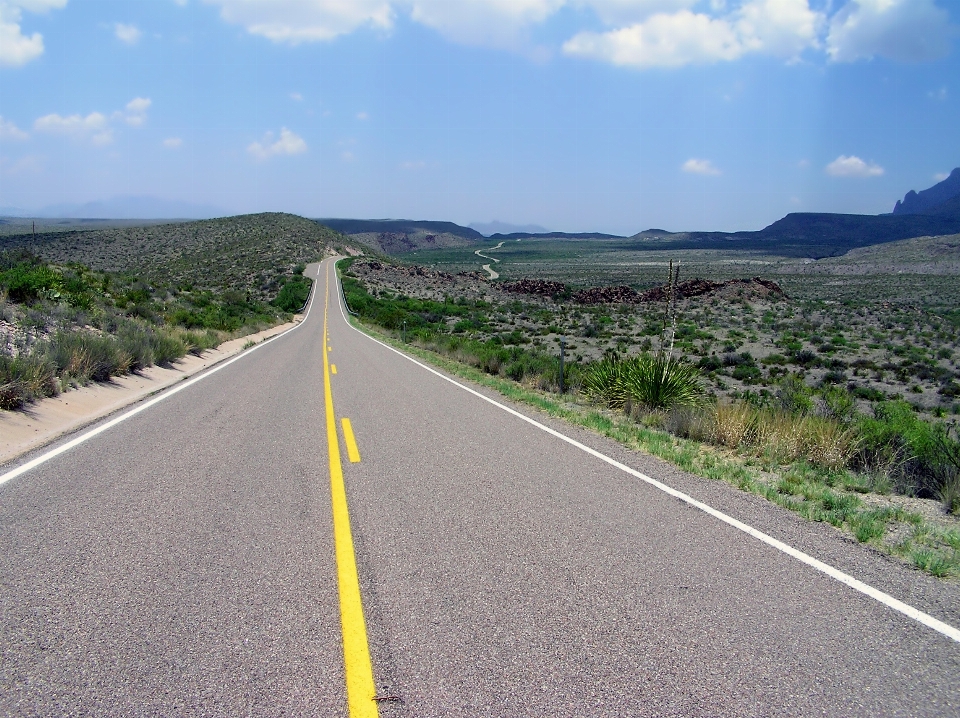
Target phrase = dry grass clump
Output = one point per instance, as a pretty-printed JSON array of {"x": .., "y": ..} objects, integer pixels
[{"x": 781, "y": 436}]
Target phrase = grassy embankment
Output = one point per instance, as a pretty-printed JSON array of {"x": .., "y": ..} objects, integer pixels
[
  {"x": 155, "y": 294},
  {"x": 808, "y": 451}
]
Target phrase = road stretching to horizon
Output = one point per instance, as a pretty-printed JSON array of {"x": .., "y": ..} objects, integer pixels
[{"x": 238, "y": 549}]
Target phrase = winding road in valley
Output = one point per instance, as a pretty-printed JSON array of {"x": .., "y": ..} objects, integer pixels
[
  {"x": 486, "y": 267},
  {"x": 319, "y": 528}
]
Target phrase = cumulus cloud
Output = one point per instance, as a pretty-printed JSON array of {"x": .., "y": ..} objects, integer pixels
[
  {"x": 9, "y": 131},
  {"x": 297, "y": 21},
  {"x": 907, "y": 30},
  {"x": 127, "y": 34},
  {"x": 853, "y": 166},
  {"x": 700, "y": 167},
  {"x": 296, "y": 97},
  {"x": 287, "y": 144},
  {"x": 637, "y": 33},
  {"x": 135, "y": 113},
  {"x": 94, "y": 127},
  {"x": 16, "y": 48},
  {"x": 172, "y": 143},
  {"x": 783, "y": 28}
]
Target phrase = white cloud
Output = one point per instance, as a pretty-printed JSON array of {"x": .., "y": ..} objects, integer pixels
[
  {"x": 853, "y": 166},
  {"x": 939, "y": 95},
  {"x": 287, "y": 143},
  {"x": 941, "y": 176},
  {"x": 638, "y": 33},
  {"x": 297, "y": 21},
  {"x": 784, "y": 28},
  {"x": 296, "y": 97},
  {"x": 128, "y": 34},
  {"x": 172, "y": 143},
  {"x": 662, "y": 41},
  {"x": 95, "y": 127},
  {"x": 363, "y": 116},
  {"x": 413, "y": 165},
  {"x": 908, "y": 30},
  {"x": 16, "y": 48},
  {"x": 9, "y": 131},
  {"x": 347, "y": 156},
  {"x": 135, "y": 113},
  {"x": 700, "y": 167},
  {"x": 139, "y": 105}
]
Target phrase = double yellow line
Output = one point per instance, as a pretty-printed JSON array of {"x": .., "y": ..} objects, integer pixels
[{"x": 361, "y": 689}]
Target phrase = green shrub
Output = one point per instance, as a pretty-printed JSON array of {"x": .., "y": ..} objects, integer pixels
[{"x": 293, "y": 294}]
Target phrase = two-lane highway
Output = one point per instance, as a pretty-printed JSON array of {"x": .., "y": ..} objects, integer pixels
[{"x": 190, "y": 561}]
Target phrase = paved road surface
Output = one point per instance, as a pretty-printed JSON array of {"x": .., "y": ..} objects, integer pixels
[{"x": 183, "y": 563}]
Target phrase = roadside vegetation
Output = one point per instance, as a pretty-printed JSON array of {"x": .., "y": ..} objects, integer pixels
[
  {"x": 65, "y": 325},
  {"x": 871, "y": 463}
]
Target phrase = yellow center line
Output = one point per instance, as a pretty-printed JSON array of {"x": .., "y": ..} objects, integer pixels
[
  {"x": 352, "y": 451},
  {"x": 358, "y": 668}
]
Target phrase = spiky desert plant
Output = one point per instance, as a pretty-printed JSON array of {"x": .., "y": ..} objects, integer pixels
[
  {"x": 659, "y": 381},
  {"x": 602, "y": 382}
]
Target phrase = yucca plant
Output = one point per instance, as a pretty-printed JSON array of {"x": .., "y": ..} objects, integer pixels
[
  {"x": 602, "y": 382},
  {"x": 660, "y": 381},
  {"x": 653, "y": 382}
]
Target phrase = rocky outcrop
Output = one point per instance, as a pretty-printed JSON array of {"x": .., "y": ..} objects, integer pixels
[
  {"x": 539, "y": 287},
  {"x": 607, "y": 295}
]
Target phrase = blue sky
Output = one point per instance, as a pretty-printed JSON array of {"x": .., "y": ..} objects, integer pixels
[{"x": 578, "y": 115}]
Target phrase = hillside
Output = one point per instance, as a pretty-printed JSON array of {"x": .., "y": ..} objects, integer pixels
[
  {"x": 398, "y": 236},
  {"x": 251, "y": 252}
]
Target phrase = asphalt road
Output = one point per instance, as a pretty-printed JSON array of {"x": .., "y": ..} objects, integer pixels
[{"x": 182, "y": 563}]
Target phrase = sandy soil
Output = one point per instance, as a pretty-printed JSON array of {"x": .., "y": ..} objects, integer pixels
[{"x": 44, "y": 421}]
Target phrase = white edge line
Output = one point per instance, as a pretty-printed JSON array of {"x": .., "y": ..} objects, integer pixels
[
  {"x": 886, "y": 599},
  {"x": 167, "y": 393}
]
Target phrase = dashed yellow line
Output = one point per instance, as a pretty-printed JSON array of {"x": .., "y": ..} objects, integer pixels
[
  {"x": 352, "y": 451},
  {"x": 358, "y": 668},
  {"x": 333, "y": 369}
]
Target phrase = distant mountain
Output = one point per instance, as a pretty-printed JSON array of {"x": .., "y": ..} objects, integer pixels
[
  {"x": 808, "y": 234},
  {"x": 399, "y": 236},
  {"x": 496, "y": 227},
  {"x": 928, "y": 200},
  {"x": 131, "y": 208},
  {"x": 555, "y": 235}
]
